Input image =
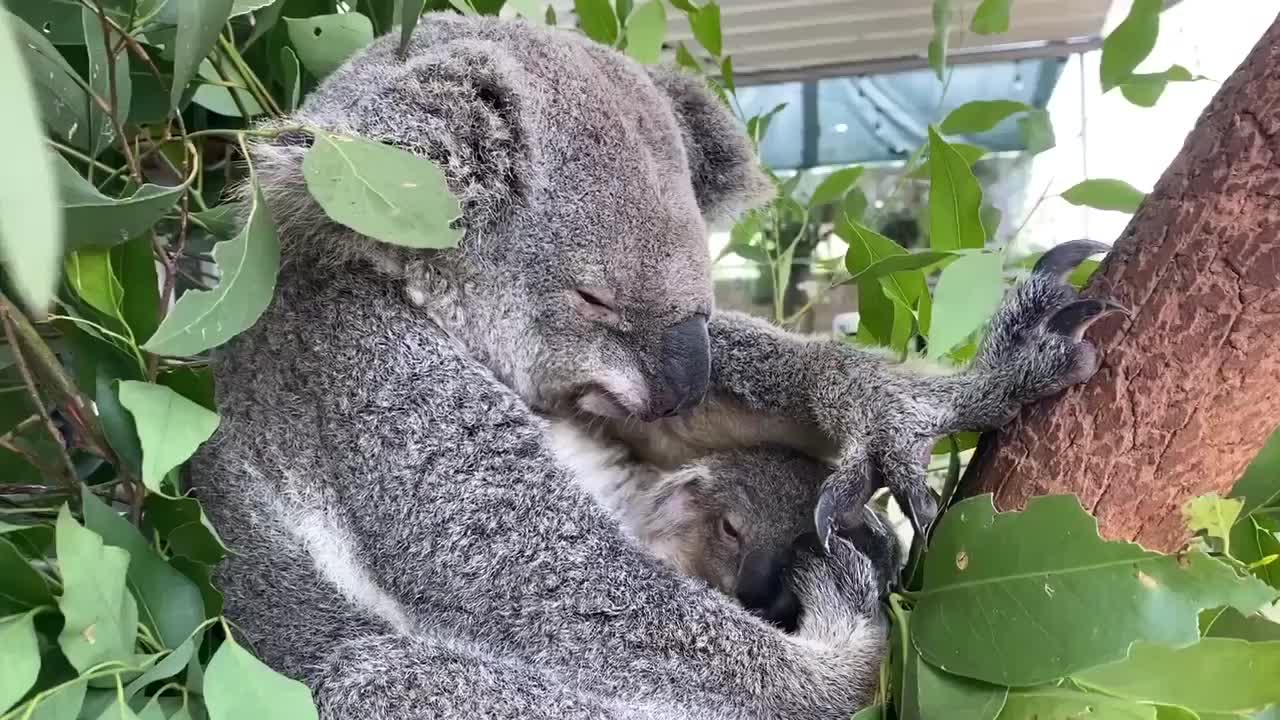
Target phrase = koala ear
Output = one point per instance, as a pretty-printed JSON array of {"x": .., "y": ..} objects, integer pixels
[
  {"x": 683, "y": 496},
  {"x": 457, "y": 104},
  {"x": 726, "y": 174}
]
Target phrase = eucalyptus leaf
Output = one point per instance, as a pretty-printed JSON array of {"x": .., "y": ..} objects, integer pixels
[
  {"x": 1054, "y": 703},
  {"x": 1036, "y": 130},
  {"x": 291, "y": 73},
  {"x": 1105, "y": 194},
  {"x": 597, "y": 20},
  {"x": 182, "y": 524},
  {"x": 939, "y": 43},
  {"x": 91, "y": 275},
  {"x": 943, "y": 695},
  {"x": 1129, "y": 43},
  {"x": 1213, "y": 516},
  {"x": 1259, "y": 486},
  {"x": 646, "y": 29},
  {"x": 202, "y": 319},
  {"x": 1251, "y": 542},
  {"x": 969, "y": 153},
  {"x": 991, "y": 17},
  {"x": 955, "y": 199},
  {"x": 222, "y": 99},
  {"x": 866, "y": 248},
  {"x": 172, "y": 664},
  {"x": 1145, "y": 89},
  {"x": 237, "y": 685},
  {"x": 59, "y": 20},
  {"x": 64, "y": 105},
  {"x": 410, "y": 11},
  {"x": 875, "y": 712},
  {"x": 134, "y": 265},
  {"x": 62, "y": 704},
  {"x": 896, "y": 263},
  {"x": 979, "y": 116},
  {"x": 1063, "y": 599},
  {"x": 169, "y": 604},
  {"x": 19, "y": 656},
  {"x": 101, "y": 68},
  {"x": 968, "y": 293},
  {"x": 117, "y": 710},
  {"x": 170, "y": 427},
  {"x": 834, "y": 186},
  {"x": 382, "y": 191},
  {"x": 705, "y": 24},
  {"x": 324, "y": 42},
  {"x": 1227, "y": 622},
  {"x": 94, "y": 220},
  {"x": 1231, "y": 676},
  {"x": 31, "y": 233},
  {"x": 199, "y": 24},
  {"x": 100, "y": 615}
]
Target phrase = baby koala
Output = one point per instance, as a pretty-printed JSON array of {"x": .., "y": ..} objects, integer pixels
[{"x": 734, "y": 518}]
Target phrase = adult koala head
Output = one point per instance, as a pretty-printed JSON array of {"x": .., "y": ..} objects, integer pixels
[{"x": 586, "y": 182}]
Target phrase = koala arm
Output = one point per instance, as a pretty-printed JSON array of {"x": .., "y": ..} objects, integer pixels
[{"x": 877, "y": 416}]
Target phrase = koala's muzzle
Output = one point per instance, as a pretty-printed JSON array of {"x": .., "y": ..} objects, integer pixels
[
  {"x": 685, "y": 370},
  {"x": 763, "y": 588}
]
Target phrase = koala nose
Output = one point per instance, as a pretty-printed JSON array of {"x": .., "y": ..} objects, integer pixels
[
  {"x": 686, "y": 367},
  {"x": 763, "y": 589}
]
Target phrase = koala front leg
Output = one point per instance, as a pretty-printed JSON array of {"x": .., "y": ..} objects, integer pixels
[{"x": 880, "y": 416}]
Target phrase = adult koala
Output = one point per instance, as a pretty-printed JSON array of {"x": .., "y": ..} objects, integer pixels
[{"x": 406, "y": 542}]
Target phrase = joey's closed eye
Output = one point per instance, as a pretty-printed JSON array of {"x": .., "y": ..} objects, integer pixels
[
  {"x": 598, "y": 303},
  {"x": 728, "y": 529}
]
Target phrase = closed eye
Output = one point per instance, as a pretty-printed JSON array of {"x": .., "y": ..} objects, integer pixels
[
  {"x": 728, "y": 529},
  {"x": 597, "y": 298}
]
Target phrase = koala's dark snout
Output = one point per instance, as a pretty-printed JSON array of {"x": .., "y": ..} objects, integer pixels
[
  {"x": 763, "y": 588},
  {"x": 686, "y": 367}
]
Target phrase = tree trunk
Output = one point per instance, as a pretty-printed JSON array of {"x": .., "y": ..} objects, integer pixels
[{"x": 1189, "y": 388}]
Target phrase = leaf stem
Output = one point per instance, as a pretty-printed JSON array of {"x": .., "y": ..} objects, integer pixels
[{"x": 20, "y": 361}]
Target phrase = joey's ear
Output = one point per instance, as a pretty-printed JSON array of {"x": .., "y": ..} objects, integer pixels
[
  {"x": 458, "y": 104},
  {"x": 684, "y": 495},
  {"x": 725, "y": 171}
]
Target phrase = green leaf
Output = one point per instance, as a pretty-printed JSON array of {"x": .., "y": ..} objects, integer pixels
[
  {"x": 64, "y": 105},
  {"x": 597, "y": 20},
  {"x": 237, "y": 685},
  {"x": 866, "y": 248},
  {"x": 1230, "y": 623},
  {"x": 94, "y": 280},
  {"x": 62, "y": 704},
  {"x": 291, "y": 72},
  {"x": 19, "y": 656},
  {"x": 938, "y": 45},
  {"x": 172, "y": 664},
  {"x": 991, "y": 17},
  {"x": 410, "y": 11},
  {"x": 979, "y": 116},
  {"x": 969, "y": 153},
  {"x": 199, "y": 24},
  {"x": 59, "y": 20},
  {"x": 1212, "y": 515},
  {"x": 1145, "y": 89},
  {"x": 324, "y": 42},
  {"x": 23, "y": 587},
  {"x": 1036, "y": 130},
  {"x": 202, "y": 319},
  {"x": 726, "y": 73},
  {"x": 1230, "y": 676},
  {"x": 1105, "y": 194},
  {"x": 705, "y": 24},
  {"x": 531, "y": 10},
  {"x": 646, "y": 29},
  {"x": 955, "y": 199},
  {"x": 101, "y": 130},
  {"x": 1252, "y": 543},
  {"x": 100, "y": 616},
  {"x": 875, "y": 712},
  {"x": 94, "y": 220},
  {"x": 685, "y": 59},
  {"x": 169, "y": 604},
  {"x": 897, "y": 263},
  {"x": 1259, "y": 486},
  {"x": 182, "y": 524},
  {"x": 968, "y": 293},
  {"x": 1062, "y": 598},
  {"x": 381, "y": 191},
  {"x": 135, "y": 267},
  {"x": 834, "y": 186},
  {"x": 170, "y": 427},
  {"x": 1054, "y": 703},
  {"x": 219, "y": 98},
  {"x": 991, "y": 216},
  {"x": 1130, "y": 43},
  {"x": 30, "y": 226},
  {"x": 942, "y": 695},
  {"x": 118, "y": 710}
]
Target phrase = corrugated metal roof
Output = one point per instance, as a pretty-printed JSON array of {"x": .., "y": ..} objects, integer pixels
[{"x": 771, "y": 35}]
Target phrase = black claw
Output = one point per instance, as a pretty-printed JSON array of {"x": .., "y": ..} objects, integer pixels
[
  {"x": 1062, "y": 259},
  {"x": 1073, "y": 319},
  {"x": 921, "y": 509}
]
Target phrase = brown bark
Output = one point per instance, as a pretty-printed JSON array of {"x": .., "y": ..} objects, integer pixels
[{"x": 1189, "y": 389}]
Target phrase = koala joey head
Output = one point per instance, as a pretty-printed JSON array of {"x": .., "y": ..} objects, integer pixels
[
  {"x": 586, "y": 183},
  {"x": 734, "y": 519}
]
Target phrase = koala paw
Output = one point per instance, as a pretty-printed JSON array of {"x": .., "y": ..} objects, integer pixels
[
  {"x": 834, "y": 584},
  {"x": 1036, "y": 339}
]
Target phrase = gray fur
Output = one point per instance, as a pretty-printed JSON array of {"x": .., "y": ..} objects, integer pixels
[{"x": 407, "y": 543}]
